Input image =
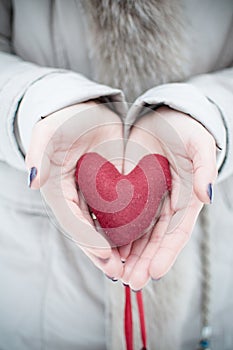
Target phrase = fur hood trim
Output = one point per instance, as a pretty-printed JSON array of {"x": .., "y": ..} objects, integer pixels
[{"x": 138, "y": 44}]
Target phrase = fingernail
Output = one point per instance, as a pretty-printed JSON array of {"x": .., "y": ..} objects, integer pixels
[
  {"x": 135, "y": 291},
  {"x": 32, "y": 175},
  {"x": 125, "y": 284},
  {"x": 156, "y": 279},
  {"x": 123, "y": 261},
  {"x": 210, "y": 192},
  {"x": 113, "y": 279},
  {"x": 93, "y": 216},
  {"x": 104, "y": 261}
]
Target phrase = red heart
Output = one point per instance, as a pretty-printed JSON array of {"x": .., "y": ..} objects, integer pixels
[{"x": 125, "y": 205}]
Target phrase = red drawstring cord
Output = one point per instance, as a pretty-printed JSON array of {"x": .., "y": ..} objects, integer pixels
[
  {"x": 129, "y": 319},
  {"x": 142, "y": 318}
]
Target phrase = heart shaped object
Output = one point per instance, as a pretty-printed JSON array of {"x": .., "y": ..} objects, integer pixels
[{"x": 126, "y": 206}]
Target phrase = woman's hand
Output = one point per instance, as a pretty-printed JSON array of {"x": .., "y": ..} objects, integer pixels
[
  {"x": 191, "y": 151},
  {"x": 57, "y": 142}
]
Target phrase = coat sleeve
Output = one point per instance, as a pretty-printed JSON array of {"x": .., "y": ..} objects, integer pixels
[
  {"x": 208, "y": 98},
  {"x": 29, "y": 91}
]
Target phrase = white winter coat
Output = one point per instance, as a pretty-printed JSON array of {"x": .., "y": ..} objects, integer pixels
[{"x": 51, "y": 296}]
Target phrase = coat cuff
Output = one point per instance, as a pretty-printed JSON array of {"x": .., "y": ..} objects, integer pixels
[
  {"x": 186, "y": 98},
  {"x": 55, "y": 91},
  {"x": 14, "y": 82}
]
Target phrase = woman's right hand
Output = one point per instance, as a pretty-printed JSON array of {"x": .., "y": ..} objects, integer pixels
[{"x": 57, "y": 142}]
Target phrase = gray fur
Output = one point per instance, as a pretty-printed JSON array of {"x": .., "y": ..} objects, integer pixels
[{"x": 138, "y": 44}]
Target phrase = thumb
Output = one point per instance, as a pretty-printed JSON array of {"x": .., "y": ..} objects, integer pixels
[
  {"x": 38, "y": 156},
  {"x": 205, "y": 168}
]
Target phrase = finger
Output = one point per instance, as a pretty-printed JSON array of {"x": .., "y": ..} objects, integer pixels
[
  {"x": 178, "y": 188},
  {"x": 204, "y": 165},
  {"x": 65, "y": 205},
  {"x": 174, "y": 241},
  {"x": 82, "y": 232},
  {"x": 136, "y": 250},
  {"x": 112, "y": 266},
  {"x": 139, "y": 275},
  {"x": 73, "y": 215},
  {"x": 107, "y": 260},
  {"x": 124, "y": 251}
]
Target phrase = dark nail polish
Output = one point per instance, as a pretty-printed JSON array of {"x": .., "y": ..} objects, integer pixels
[
  {"x": 135, "y": 291},
  {"x": 125, "y": 284},
  {"x": 210, "y": 192},
  {"x": 32, "y": 175},
  {"x": 113, "y": 279}
]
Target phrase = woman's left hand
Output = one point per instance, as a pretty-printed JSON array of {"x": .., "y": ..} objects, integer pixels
[{"x": 191, "y": 152}]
